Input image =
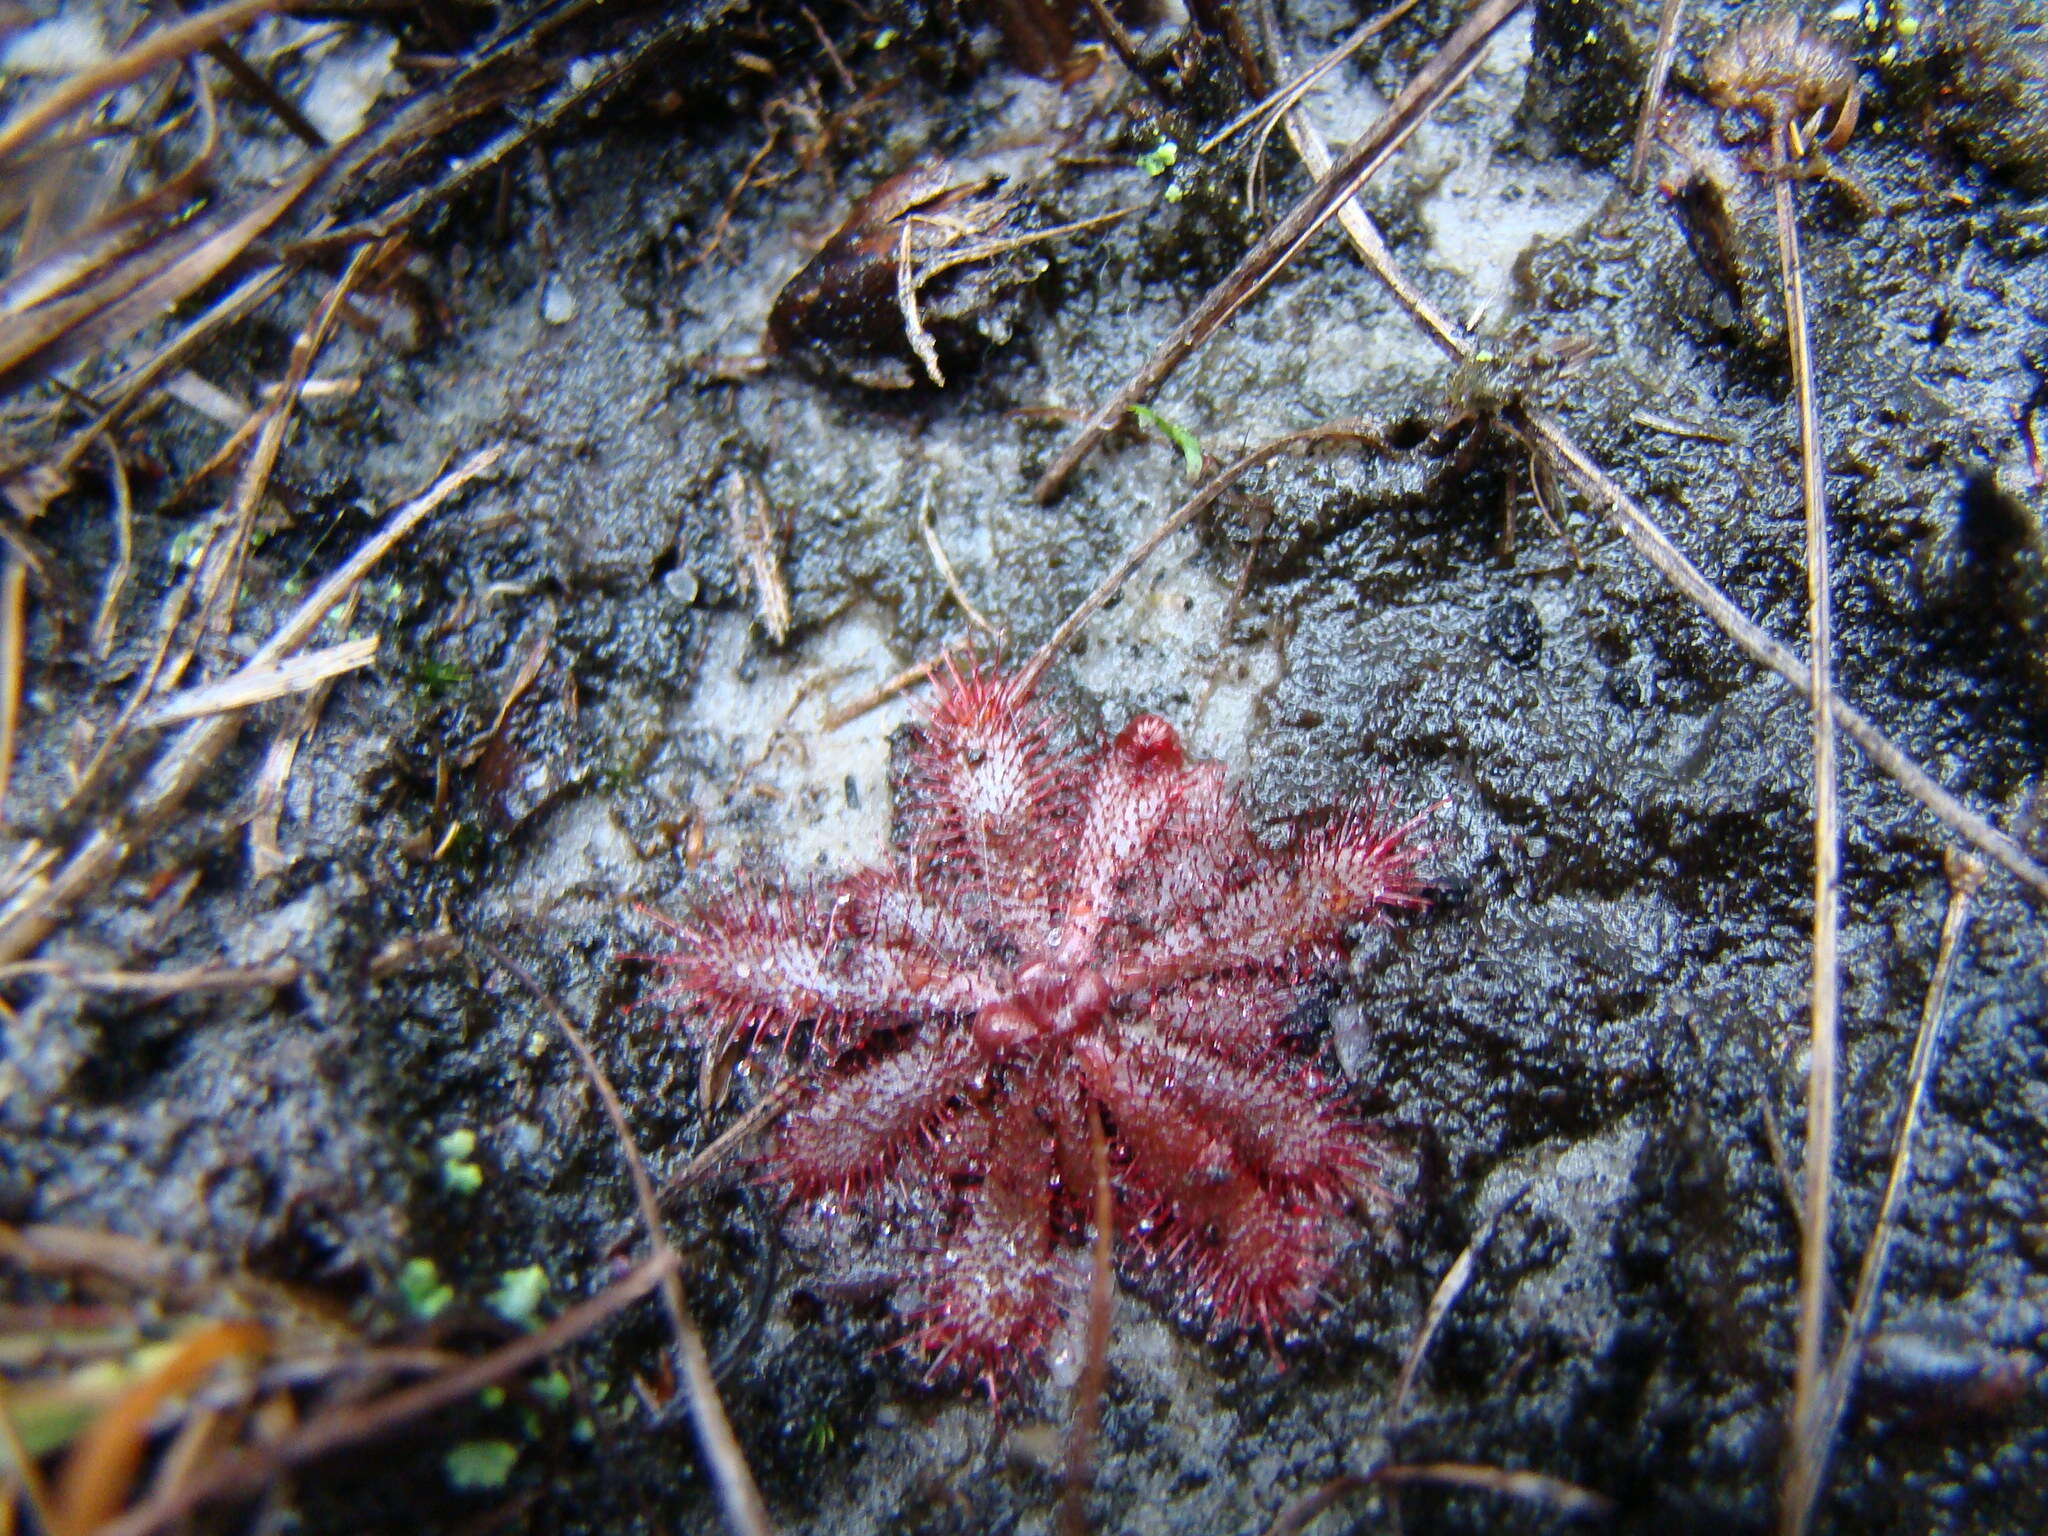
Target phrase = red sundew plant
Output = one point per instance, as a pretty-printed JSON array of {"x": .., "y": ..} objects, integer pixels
[{"x": 1071, "y": 939}]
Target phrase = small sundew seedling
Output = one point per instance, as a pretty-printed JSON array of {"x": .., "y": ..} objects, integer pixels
[
  {"x": 478, "y": 1466},
  {"x": 518, "y": 1295},
  {"x": 1160, "y": 159},
  {"x": 425, "y": 1294},
  {"x": 1190, "y": 446}
]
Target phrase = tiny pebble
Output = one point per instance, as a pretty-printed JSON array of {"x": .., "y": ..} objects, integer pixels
[{"x": 557, "y": 303}]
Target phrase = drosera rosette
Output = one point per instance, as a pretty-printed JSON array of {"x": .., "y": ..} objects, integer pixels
[{"x": 1070, "y": 937}]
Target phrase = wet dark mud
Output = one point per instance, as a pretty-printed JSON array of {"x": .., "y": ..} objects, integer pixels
[{"x": 1582, "y": 1042}]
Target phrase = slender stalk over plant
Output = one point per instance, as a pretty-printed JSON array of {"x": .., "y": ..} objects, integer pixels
[{"x": 1797, "y": 82}]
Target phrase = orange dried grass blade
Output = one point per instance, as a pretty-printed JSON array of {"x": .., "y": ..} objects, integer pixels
[{"x": 101, "y": 1469}]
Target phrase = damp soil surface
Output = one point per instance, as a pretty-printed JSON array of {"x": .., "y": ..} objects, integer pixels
[{"x": 1587, "y": 1044}]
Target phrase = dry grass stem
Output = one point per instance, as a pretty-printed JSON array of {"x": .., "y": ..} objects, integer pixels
[
  {"x": 221, "y": 570},
  {"x": 1821, "y": 1086},
  {"x": 945, "y": 567},
  {"x": 266, "y": 857},
  {"x": 37, "y": 910},
  {"x": 1441, "y": 1300},
  {"x": 108, "y": 617},
  {"x": 1674, "y": 426},
  {"x": 177, "y": 41},
  {"x": 1254, "y": 176},
  {"x": 102, "y": 1466},
  {"x": 141, "y": 289},
  {"x": 1650, "y": 541},
  {"x": 1566, "y": 1499},
  {"x": 160, "y": 984},
  {"x": 914, "y": 332},
  {"x": 13, "y": 605},
  {"x": 1282, "y": 97},
  {"x": 741, "y": 1500},
  {"x": 1530, "y": 1487},
  {"x": 917, "y": 672},
  {"x": 1459, "y": 56},
  {"x": 757, "y": 550},
  {"x": 1809, "y": 1472},
  {"x": 1174, "y": 521},
  {"x": 129, "y": 391},
  {"x": 255, "y": 685},
  {"x": 1653, "y": 90},
  {"x": 249, "y": 1471}
]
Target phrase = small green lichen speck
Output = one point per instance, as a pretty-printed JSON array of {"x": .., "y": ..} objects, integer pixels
[
  {"x": 426, "y": 1297},
  {"x": 459, "y": 1174},
  {"x": 479, "y": 1465},
  {"x": 552, "y": 1389},
  {"x": 518, "y": 1296}
]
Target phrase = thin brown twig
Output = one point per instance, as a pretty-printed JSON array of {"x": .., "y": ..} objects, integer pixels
[
  {"x": 1565, "y": 1498},
  {"x": 757, "y": 1118},
  {"x": 831, "y": 52},
  {"x": 737, "y": 1494},
  {"x": 1546, "y": 436},
  {"x": 1086, "y": 1424},
  {"x": 1540, "y": 430},
  {"x": 249, "y": 1471},
  {"x": 1459, "y": 56},
  {"x": 1653, "y": 90},
  {"x": 1809, "y": 1474},
  {"x": 884, "y": 691},
  {"x": 1282, "y": 97},
  {"x": 258, "y": 85}
]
